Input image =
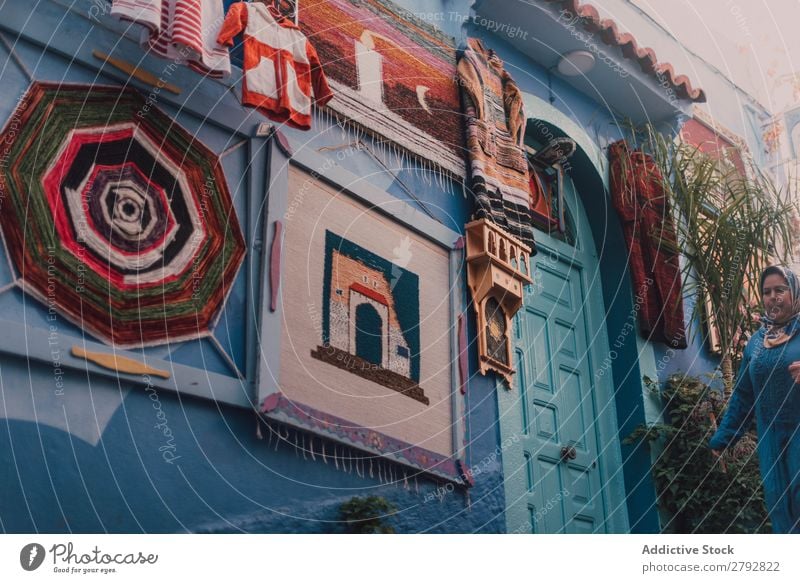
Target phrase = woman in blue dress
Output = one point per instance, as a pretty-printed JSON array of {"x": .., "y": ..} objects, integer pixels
[{"x": 767, "y": 390}]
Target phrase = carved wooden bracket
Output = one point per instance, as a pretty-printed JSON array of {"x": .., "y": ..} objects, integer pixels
[{"x": 498, "y": 268}]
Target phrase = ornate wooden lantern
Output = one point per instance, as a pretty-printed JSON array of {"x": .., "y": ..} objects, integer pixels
[{"x": 498, "y": 268}]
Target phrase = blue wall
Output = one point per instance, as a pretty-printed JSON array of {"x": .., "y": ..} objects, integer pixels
[
  {"x": 696, "y": 359},
  {"x": 95, "y": 460},
  {"x": 59, "y": 478},
  {"x": 223, "y": 478}
]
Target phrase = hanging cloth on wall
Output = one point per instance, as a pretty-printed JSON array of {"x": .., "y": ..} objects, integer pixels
[
  {"x": 132, "y": 213},
  {"x": 540, "y": 199},
  {"x": 182, "y": 30},
  {"x": 281, "y": 68},
  {"x": 638, "y": 195},
  {"x": 495, "y": 131}
]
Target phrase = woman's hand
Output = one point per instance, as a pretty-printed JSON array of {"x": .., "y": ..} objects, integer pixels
[{"x": 794, "y": 370}]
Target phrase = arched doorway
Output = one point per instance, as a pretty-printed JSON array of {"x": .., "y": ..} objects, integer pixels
[
  {"x": 561, "y": 450},
  {"x": 369, "y": 334}
]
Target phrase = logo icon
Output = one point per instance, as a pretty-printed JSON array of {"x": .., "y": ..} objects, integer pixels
[{"x": 31, "y": 556}]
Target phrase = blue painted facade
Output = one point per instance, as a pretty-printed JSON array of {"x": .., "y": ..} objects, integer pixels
[{"x": 94, "y": 455}]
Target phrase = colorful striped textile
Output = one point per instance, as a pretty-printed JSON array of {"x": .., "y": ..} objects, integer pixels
[
  {"x": 495, "y": 129},
  {"x": 182, "y": 30},
  {"x": 121, "y": 222}
]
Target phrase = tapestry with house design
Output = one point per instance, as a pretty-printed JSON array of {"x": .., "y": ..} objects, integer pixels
[
  {"x": 370, "y": 317},
  {"x": 366, "y": 319}
]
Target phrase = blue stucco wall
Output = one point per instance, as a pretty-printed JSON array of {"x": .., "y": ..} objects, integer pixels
[
  {"x": 91, "y": 458},
  {"x": 113, "y": 477},
  {"x": 696, "y": 359},
  {"x": 223, "y": 477}
]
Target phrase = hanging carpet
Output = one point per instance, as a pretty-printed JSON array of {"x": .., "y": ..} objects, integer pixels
[
  {"x": 638, "y": 195},
  {"x": 119, "y": 220},
  {"x": 392, "y": 73},
  {"x": 500, "y": 181}
]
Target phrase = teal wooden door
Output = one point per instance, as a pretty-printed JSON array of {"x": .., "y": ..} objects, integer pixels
[{"x": 561, "y": 456}]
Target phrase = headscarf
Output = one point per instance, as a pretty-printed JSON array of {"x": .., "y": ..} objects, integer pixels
[{"x": 777, "y": 333}]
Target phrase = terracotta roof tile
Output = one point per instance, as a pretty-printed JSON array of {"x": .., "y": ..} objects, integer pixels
[{"x": 609, "y": 33}]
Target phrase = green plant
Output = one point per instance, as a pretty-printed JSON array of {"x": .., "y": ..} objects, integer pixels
[
  {"x": 696, "y": 491},
  {"x": 729, "y": 227},
  {"x": 367, "y": 515}
]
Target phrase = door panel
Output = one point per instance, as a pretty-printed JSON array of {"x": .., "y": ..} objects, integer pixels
[
  {"x": 554, "y": 471},
  {"x": 564, "y": 495}
]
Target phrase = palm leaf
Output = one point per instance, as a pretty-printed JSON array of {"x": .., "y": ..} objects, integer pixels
[{"x": 729, "y": 228}]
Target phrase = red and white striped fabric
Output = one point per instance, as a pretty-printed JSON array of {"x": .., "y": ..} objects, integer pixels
[
  {"x": 183, "y": 30},
  {"x": 282, "y": 71}
]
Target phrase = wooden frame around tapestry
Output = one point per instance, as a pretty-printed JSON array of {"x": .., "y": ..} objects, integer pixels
[{"x": 359, "y": 344}]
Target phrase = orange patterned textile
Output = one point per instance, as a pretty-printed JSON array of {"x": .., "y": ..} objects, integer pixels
[
  {"x": 393, "y": 74},
  {"x": 495, "y": 130}
]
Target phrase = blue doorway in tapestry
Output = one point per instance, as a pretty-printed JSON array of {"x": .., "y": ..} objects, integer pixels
[
  {"x": 369, "y": 334},
  {"x": 370, "y": 317}
]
